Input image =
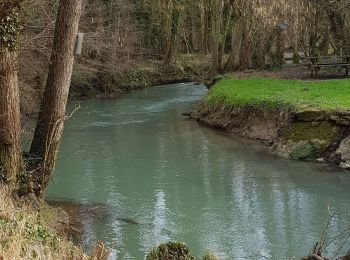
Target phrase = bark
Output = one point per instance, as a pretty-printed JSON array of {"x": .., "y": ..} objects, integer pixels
[
  {"x": 314, "y": 33},
  {"x": 168, "y": 29},
  {"x": 49, "y": 129},
  {"x": 296, "y": 57},
  {"x": 10, "y": 127},
  {"x": 246, "y": 44},
  {"x": 10, "y": 147},
  {"x": 175, "y": 27},
  {"x": 202, "y": 28},
  {"x": 216, "y": 22},
  {"x": 233, "y": 60},
  {"x": 280, "y": 47},
  {"x": 226, "y": 24}
]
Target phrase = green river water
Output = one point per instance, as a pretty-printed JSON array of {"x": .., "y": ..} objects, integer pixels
[{"x": 158, "y": 177}]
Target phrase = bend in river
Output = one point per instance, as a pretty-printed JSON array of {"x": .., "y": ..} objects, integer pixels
[{"x": 163, "y": 178}]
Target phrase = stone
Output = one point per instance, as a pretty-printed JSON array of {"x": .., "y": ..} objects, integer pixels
[
  {"x": 320, "y": 160},
  {"x": 340, "y": 119},
  {"x": 344, "y": 152}
]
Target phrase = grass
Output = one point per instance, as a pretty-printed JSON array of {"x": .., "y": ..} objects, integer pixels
[
  {"x": 24, "y": 236},
  {"x": 270, "y": 92}
]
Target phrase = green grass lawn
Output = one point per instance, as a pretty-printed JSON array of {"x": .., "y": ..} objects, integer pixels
[{"x": 269, "y": 92}]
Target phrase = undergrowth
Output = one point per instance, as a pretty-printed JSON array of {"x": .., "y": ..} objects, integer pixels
[{"x": 23, "y": 235}]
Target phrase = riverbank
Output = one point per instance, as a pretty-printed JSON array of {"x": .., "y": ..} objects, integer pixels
[
  {"x": 30, "y": 229},
  {"x": 111, "y": 82},
  {"x": 296, "y": 119},
  {"x": 28, "y": 233},
  {"x": 97, "y": 81}
]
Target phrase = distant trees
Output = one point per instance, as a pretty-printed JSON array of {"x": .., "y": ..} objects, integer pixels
[{"x": 236, "y": 34}]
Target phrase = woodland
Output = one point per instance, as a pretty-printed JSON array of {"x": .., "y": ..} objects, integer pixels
[{"x": 130, "y": 44}]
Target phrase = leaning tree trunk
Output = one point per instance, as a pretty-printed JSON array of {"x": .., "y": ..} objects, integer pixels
[
  {"x": 49, "y": 129},
  {"x": 10, "y": 128}
]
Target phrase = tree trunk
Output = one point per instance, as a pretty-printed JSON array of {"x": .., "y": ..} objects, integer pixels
[
  {"x": 245, "y": 54},
  {"x": 49, "y": 129},
  {"x": 280, "y": 45},
  {"x": 216, "y": 21},
  {"x": 233, "y": 60},
  {"x": 202, "y": 42},
  {"x": 168, "y": 29},
  {"x": 10, "y": 127}
]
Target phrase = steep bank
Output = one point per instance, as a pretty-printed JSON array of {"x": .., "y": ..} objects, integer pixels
[{"x": 298, "y": 120}]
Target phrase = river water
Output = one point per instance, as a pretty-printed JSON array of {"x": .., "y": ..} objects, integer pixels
[{"x": 158, "y": 177}]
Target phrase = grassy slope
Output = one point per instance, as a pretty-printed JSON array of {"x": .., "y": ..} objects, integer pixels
[
  {"x": 25, "y": 235},
  {"x": 322, "y": 95}
]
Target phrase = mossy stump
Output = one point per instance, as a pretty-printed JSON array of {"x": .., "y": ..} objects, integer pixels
[{"x": 170, "y": 251}]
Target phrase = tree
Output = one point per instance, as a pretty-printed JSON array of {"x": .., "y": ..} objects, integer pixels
[
  {"x": 48, "y": 134},
  {"x": 49, "y": 129},
  {"x": 10, "y": 131}
]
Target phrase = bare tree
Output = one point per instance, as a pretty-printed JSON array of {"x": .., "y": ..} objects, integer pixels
[{"x": 49, "y": 129}]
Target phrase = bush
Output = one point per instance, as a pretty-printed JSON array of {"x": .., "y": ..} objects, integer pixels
[{"x": 170, "y": 251}]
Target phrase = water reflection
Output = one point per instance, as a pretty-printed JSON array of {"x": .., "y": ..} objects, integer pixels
[{"x": 163, "y": 178}]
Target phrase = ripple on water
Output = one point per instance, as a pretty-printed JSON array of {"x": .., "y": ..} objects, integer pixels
[{"x": 181, "y": 181}]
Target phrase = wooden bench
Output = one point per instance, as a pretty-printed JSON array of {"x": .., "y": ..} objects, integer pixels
[{"x": 316, "y": 63}]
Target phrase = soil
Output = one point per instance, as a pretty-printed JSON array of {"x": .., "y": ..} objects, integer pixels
[
  {"x": 306, "y": 135},
  {"x": 288, "y": 134}
]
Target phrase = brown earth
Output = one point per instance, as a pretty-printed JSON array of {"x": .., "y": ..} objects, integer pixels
[{"x": 309, "y": 135}]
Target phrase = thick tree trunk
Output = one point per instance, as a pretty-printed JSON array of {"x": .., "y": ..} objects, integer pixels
[
  {"x": 280, "y": 45},
  {"x": 10, "y": 148},
  {"x": 49, "y": 129},
  {"x": 176, "y": 25},
  {"x": 10, "y": 128},
  {"x": 246, "y": 48},
  {"x": 233, "y": 60}
]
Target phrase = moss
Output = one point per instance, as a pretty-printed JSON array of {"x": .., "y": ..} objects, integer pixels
[
  {"x": 310, "y": 140},
  {"x": 306, "y": 151},
  {"x": 308, "y": 131},
  {"x": 171, "y": 250}
]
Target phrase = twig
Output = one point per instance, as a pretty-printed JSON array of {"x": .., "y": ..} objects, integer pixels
[{"x": 71, "y": 114}]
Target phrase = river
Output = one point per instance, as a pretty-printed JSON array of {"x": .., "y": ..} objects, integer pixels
[{"x": 164, "y": 178}]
